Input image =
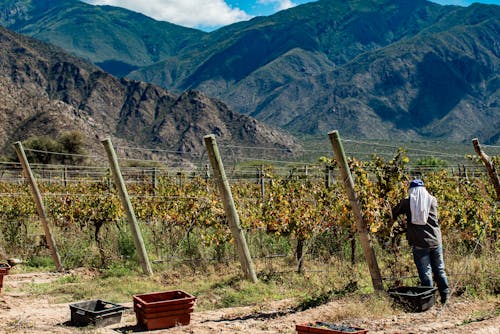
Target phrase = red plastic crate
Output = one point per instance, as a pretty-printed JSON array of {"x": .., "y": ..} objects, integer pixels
[
  {"x": 4, "y": 270},
  {"x": 159, "y": 310}
]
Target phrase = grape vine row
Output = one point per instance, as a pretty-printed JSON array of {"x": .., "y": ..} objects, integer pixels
[{"x": 186, "y": 219}]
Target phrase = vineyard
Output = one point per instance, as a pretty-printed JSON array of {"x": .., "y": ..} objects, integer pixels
[{"x": 291, "y": 211}]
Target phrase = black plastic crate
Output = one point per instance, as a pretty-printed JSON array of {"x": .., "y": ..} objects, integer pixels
[
  {"x": 414, "y": 298},
  {"x": 96, "y": 312}
]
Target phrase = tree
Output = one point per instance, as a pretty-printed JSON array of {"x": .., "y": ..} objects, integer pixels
[
  {"x": 67, "y": 148},
  {"x": 72, "y": 142}
]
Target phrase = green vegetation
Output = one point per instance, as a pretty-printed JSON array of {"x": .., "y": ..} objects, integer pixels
[
  {"x": 218, "y": 287},
  {"x": 300, "y": 233},
  {"x": 118, "y": 40},
  {"x": 70, "y": 147},
  {"x": 70, "y": 144}
]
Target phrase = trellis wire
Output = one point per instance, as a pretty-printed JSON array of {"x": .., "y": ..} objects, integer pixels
[{"x": 244, "y": 173}]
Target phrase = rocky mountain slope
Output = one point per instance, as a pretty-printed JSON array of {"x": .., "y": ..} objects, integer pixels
[
  {"x": 373, "y": 68},
  {"x": 44, "y": 91},
  {"x": 442, "y": 83},
  {"x": 388, "y": 69}
]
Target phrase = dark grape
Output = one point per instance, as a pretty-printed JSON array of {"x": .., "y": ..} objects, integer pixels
[{"x": 340, "y": 328}]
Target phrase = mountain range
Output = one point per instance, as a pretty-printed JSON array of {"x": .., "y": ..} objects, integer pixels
[
  {"x": 390, "y": 69},
  {"x": 45, "y": 91}
]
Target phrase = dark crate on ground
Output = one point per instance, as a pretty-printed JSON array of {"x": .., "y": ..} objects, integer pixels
[
  {"x": 96, "y": 312},
  {"x": 320, "y": 327},
  {"x": 159, "y": 310},
  {"x": 414, "y": 298}
]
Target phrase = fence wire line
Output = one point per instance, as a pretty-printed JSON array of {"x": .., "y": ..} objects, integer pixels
[
  {"x": 63, "y": 166},
  {"x": 14, "y": 194},
  {"x": 424, "y": 152},
  {"x": 373, "y": 143},
  {"x": 232, "y": 154},
  {"x": 159, "y": 150},
  {"x": 179, "y": 164},
  {"x": 260, "y": 148},
  {"x": 287, "y": 150},
  {"x": 231, "y": 147},
  {"x": 64, "y": 153},
  {"x": 201, "y": 199},
  {"x": 492, "y": 146},
  {"x": 398, "y": 147},
  {"x": 10, "y": 163}
]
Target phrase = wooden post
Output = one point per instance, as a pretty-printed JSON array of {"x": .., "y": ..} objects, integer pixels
[
  {"x": 127, "y": 205},
  {"x": 39, "y": 204},
  {"x": 327, "y": 177},
  {"x": 154, "y": 181},
  {"x": 489, "y": 166},
  {"x": 181, "y": 177},
  {"x": 262, "y": 182},
  {"x": 207, "y": 177},
  {"x": 65, "y": 176},
  {"x": 229, "y": 207},
  {"x": 108, "y": 172},
  {"x": 356, "y": 207}
]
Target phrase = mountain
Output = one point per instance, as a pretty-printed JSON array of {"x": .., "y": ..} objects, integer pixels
[
  {"x": 268, "y": 52},
  {"x": 371, "y": 68},
  {"x": 443, "y": 83},
  {"x": 44, "y": 91},
  {"x": 115, "y": 39},
  {"x": 406, "y": 69}
]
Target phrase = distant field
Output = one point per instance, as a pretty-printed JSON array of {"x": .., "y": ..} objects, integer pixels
[{"x": 453, "y": 153}]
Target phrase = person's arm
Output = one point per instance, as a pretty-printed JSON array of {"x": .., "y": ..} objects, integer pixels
[{"x": 399, "y": 209}]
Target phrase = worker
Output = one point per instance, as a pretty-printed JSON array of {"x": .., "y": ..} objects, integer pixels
[{"x": 424, "y": 236}]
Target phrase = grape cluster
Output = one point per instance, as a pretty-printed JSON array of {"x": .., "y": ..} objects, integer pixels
[{"x": 340, "y": 328}]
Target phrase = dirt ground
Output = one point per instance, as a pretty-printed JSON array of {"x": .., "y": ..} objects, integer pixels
[{"x": 22, "y": 313}]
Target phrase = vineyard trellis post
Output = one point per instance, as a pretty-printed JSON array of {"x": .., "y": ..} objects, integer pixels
[
  {"x": 207, "y": 177},
  {"x": 127, "y": 205},
  {"x": 229, "y": 207},
  {"x": 65, "y": 177},
  {"x": 262, "y": 180},
  {"x": 489, "y": 166},
  {"x": 345, "y": 173},
  {"x": 42, "y": 213},
  {"x": 154, "y": 181},
  {"x": 328, "y": 178}
]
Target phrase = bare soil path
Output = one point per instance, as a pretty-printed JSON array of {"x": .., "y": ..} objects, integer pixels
[{"x": 22, "y": 313}]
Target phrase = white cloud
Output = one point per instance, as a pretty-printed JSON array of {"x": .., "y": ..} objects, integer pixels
[
  {"x": 189, "y": 13},
  {"x": 280, "y": 4}
]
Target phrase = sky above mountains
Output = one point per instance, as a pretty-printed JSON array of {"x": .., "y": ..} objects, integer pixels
[{"x": 212, "y": 14}]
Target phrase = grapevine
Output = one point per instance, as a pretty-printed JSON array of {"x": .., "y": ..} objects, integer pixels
[{"x": 186, "y": 219}]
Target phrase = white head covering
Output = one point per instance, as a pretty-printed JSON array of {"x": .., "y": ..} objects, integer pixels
[{"x": 420, "y": 204}]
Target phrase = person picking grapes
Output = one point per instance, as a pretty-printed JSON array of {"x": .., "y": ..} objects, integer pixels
[{"x": 424, "y": 236}]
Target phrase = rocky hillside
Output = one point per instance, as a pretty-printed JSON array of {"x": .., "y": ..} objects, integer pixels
[
  {"x": 371, "y": 68},
  {"x": 442, "y": 83},
  {"x": 409, "y": 69},
  {"x": 44, "y": 91}
]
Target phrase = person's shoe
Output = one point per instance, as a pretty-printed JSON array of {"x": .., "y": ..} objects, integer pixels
[{"x": 444, "y": 298}]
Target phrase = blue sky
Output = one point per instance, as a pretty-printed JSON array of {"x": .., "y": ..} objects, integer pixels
[{"x": 212, "y": 14}]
